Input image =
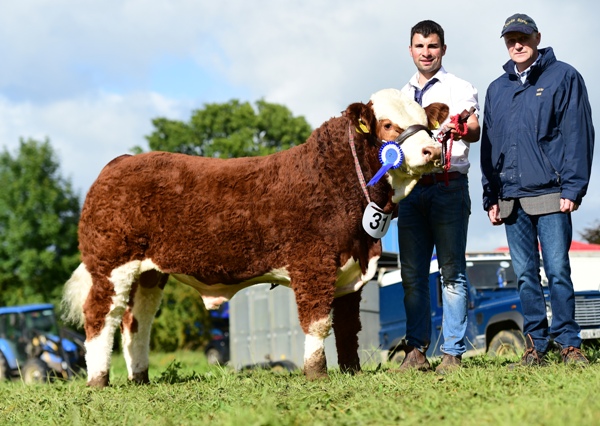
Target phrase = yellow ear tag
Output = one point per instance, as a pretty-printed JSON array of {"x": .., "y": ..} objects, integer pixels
[
  {"x": 436, "y": 125},
  {"x": 363, "y": 127}
]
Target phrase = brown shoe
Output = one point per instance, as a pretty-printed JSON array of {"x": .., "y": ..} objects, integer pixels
[
  {"x": 414, "y": 359},
  {"x": 449, "y": 364},
  {"x": 531, "y": 357},
  {"x": 574, "y": 356}
]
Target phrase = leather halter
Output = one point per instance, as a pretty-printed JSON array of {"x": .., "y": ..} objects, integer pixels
[{"x": 411, "y": 130}]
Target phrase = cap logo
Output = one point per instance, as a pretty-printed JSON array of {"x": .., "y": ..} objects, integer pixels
[{"x": 512, "y": 21}]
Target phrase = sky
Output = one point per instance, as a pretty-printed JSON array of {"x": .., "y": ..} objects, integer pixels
[{"x": 91, "y": 75}]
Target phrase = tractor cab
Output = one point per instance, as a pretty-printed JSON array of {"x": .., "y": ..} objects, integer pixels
[{"x": 31, "y": 345}]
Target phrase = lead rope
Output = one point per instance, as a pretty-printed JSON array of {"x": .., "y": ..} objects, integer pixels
[
  {"x": 359, "y": 172},
  {"x": 462, "y": 129}
]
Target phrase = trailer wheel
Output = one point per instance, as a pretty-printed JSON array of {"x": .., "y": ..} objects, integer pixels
[
  {"x": 35, "y": 371},
  {"x": 507, "y": 343},
  {"x": 4, "y": 370}
]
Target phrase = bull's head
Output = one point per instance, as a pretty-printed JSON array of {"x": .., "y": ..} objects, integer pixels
[{"x": 394, "y": 113}]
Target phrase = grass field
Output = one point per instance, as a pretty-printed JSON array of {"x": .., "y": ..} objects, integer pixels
[{"x": 186, "y": 391}]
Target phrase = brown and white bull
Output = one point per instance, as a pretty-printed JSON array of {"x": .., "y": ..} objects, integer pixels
[{"x": 292, "y": 218}]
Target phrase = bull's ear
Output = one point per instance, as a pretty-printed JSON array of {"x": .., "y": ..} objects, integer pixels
[
  {"x": 436, "y": 113},
  {"x": 361, "y": 116}
]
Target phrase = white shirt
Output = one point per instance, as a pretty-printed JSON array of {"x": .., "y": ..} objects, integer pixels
[{"x": 459, "y": 95}]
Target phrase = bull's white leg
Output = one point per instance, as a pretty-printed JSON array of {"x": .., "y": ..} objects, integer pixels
[
  {"x": 315, "y": 363},
  {"x": 99, "y": 347},
  {"x": 137, "y": 325}
]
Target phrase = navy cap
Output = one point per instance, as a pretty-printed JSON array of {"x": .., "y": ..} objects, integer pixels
[{"x": 520, "y": 23}]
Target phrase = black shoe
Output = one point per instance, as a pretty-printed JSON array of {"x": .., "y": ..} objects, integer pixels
[{"x": 574, "y": 356}]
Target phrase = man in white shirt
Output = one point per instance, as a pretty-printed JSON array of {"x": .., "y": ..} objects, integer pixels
[{"x": 436, "y": 213}]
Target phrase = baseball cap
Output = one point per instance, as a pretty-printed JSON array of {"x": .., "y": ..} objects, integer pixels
[{"x": 519, "y": 22}]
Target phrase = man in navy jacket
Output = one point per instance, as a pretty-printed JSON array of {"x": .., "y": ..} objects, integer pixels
[{"x": 536, "y": 158}]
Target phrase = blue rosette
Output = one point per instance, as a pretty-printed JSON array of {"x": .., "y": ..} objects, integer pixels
[{"x": 390, "y": 157}]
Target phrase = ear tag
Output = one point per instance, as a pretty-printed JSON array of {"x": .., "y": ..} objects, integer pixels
[
  {"x": 391, "y": 157},
  {"x": 363, "y": 127}
]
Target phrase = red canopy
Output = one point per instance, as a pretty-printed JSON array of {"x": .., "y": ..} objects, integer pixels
[{"x": 575, "y": 246}]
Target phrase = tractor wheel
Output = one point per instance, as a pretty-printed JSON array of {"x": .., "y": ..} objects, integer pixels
[
  {"x": 4, "y": 370},
  {"x": 507, "y": 343},
  {"x": 35, "y": 371}
]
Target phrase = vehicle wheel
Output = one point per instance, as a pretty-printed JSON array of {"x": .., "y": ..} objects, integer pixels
[
  {"x": 507, "y": 343},
  {"x": 214, "y": 356},
  {"x": 283, "y": 366},
  {"x": 4, "y": 370},
  {"x": 35, "y": 371}
]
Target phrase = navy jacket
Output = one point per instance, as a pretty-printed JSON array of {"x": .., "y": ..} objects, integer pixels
[{"x": 537, "y": 137}]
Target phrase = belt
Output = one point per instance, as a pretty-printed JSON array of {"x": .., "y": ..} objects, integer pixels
[{"x": 432, "y": 179}]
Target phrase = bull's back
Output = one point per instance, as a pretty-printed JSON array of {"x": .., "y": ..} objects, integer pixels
[{"x": 167, "y": 206}]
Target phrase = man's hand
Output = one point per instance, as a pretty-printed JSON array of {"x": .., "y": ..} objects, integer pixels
[
  {"x": 567, "y": 206},
  {"x": 494, "y": 215}
]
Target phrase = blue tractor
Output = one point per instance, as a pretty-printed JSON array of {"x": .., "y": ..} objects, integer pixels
[{"x": 33, "y": 347}]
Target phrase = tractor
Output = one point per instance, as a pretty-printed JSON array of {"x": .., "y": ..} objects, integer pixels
[{"x": 33, "y": 347}]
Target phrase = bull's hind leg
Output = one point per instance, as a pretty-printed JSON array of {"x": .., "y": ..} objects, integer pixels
[
  {"x": 346, "y": 325},
  {"x": 137, "y": 323},
  {"x": 314, "y": 299},
  {"x": 103, "y": 311}
]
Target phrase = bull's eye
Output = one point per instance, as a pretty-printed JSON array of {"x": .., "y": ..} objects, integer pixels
[{"x": 388, "y": 126}]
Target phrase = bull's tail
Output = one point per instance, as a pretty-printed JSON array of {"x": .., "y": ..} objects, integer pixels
[{"x": 75, "y": 293}]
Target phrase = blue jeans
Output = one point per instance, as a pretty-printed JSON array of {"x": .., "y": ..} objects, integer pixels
[
  {"x": 554, "y": 232},
  {"x": 435, "y": 216}
]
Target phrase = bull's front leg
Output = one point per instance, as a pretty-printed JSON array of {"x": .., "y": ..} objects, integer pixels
[
  {"x": 346, "y": 325},
  {"x": 314, "y": 301}
]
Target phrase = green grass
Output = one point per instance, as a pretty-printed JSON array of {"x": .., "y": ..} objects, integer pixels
[{"x": 186, "y": 391}]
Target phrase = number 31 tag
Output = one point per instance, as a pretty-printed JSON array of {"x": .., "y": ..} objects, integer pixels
[{"x": 375, "y": 222}]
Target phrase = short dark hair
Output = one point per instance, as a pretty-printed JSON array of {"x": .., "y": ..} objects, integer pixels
[{"x": 426, "y": 28}]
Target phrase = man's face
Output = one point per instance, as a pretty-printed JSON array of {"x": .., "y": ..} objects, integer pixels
[
  {"x": 427, "y": 53},
  {"x": 522, "y": 48}
]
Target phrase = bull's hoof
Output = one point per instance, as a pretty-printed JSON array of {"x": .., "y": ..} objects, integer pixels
[
  {"x": 353, "y": 368},
  {"x": 100, "y": 381},
  {"x": 140, "y": 378},
  {"x": 315, "y": 375},
  {"x": 315, "y": 369}
]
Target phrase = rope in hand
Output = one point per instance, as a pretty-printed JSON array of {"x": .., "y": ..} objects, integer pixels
[{"x": 460, "y": 126}]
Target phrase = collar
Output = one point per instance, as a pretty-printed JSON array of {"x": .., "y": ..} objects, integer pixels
[
  {"x": 440, "y": 75},
  {"x": 523, "y": 75}
]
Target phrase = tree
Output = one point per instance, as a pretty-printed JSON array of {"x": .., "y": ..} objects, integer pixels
[
  {"x": 592, "y": 234},
  {"x": 229, "y": 130},
  {"x": 39, "y": 212}
]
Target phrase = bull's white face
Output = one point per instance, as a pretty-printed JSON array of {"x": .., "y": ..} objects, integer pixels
[
  {"x": 422, "y": 154},
  {"x": 395, "y": 111}
]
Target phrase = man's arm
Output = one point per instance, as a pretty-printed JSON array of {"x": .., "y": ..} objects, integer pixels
[{"x": 473, "y": 130}]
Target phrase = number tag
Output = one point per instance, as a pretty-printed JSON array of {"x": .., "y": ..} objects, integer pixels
[{"x": 375, "y": 222}]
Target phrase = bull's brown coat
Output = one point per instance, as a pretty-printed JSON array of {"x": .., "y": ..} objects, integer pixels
[{"x": 223, "y": 224}]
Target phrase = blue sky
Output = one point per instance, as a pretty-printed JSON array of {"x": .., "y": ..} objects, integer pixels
[{"x": 91, "y": 75}]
